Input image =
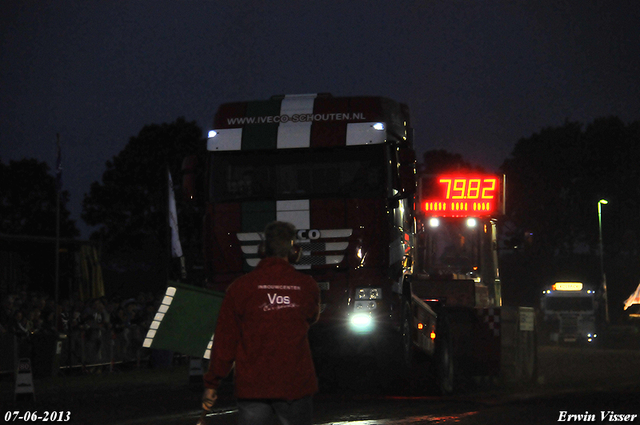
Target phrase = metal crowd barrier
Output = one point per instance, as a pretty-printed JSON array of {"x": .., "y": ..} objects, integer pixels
[
  {"x": 94, "y": 347},
  {"x": 84, "y": 349}
]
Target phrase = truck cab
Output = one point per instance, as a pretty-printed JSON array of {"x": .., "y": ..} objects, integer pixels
[
  {"x": 342, "y": 171},
  {"x": 569, "y": 313}
]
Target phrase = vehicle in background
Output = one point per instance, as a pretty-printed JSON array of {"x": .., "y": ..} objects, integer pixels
[
  {"x": 456, "y": 267},
  {"x": 569, "y": 312}
]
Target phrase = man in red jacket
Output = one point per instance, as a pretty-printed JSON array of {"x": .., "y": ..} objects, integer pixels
[{"x": 262, "y": 328}]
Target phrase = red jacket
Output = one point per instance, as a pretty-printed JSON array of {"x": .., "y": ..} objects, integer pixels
[{"x": 262, "y": 327}]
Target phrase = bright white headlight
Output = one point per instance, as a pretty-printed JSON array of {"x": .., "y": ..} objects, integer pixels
[{"x": 361, "y": 322}]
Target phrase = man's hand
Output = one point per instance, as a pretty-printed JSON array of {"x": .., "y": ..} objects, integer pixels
[{"x": 209, "y": 398}]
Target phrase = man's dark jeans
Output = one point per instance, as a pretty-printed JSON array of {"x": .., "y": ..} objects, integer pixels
[{"x": 261, "y": 412}]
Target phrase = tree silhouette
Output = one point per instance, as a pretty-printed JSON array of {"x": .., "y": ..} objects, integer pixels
[
  {"x": 610, "y": 159},
  {"x": 555, "y": 179},
  {"x": 130, "y": 204},
  {"x": 438, "y": 161},
  {"x": 28, "y": 201},
  {"x": 542, "y": 174}
]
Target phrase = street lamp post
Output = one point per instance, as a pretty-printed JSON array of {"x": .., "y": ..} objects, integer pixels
[{"x": 604, "y": 276}]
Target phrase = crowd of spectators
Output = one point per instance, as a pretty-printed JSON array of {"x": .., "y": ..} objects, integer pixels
[{"x": 86, "y": 325}]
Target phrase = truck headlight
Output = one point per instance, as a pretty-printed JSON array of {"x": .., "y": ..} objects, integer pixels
[
  {"x": 368, "y": 293},
  {"x": 361, "y": 322},
  {"x": 364, "y": 306}
]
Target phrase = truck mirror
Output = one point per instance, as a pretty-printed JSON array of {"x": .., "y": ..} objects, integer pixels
[
  {"x": 189, "y": 166},
  {"x": 407, "y": 171}
]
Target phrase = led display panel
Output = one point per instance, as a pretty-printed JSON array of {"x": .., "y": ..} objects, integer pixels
[{"x": 453, "y": 195}]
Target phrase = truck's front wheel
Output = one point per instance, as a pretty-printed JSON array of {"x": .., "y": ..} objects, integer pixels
[
  {"x": 442, "y": 366},
  {"x": 445, "y": 371},
  {"x": 407, "y": 338},
  {"x": 409, "y": 364}
]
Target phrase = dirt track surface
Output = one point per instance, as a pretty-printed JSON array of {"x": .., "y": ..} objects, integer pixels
[
  {"x": 560, "y": 365},
  {"x": 131, "y": 395},
  {"x": 109, "y": 398}
]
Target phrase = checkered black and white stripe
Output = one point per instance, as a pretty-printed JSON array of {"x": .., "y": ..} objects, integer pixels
[{"x": 490, "y": 317}]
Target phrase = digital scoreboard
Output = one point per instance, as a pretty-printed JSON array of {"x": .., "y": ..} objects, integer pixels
[{"x": 462, "y": 195}]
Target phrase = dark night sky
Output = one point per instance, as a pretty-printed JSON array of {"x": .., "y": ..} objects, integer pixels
[{"x": 477, "y": 74}]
